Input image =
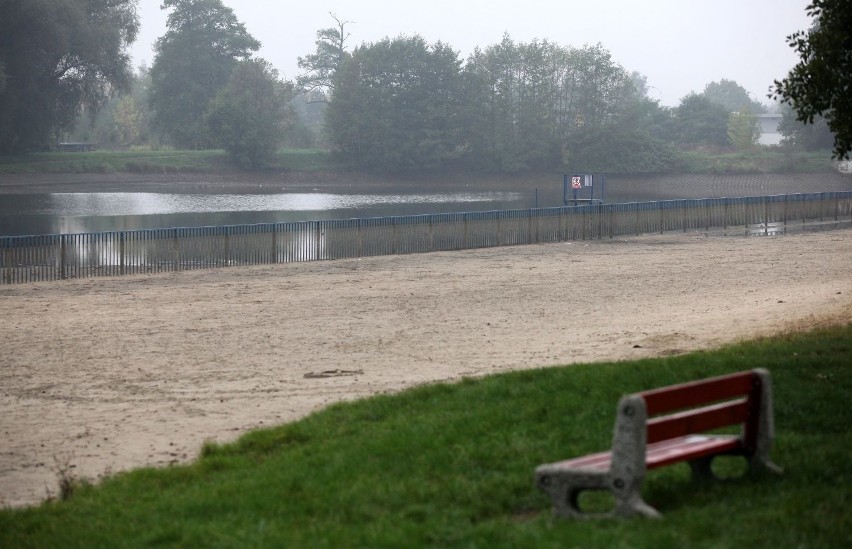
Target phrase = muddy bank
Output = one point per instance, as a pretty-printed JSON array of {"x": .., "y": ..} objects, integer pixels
[{"x": 618, "y": 188}]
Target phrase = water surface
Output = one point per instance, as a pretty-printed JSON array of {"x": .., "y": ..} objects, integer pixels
[{"x": 98, "y": 212}]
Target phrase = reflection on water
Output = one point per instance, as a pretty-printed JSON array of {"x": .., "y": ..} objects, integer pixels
[
  {"x": 99, "y": 212},
  {"x": 155, "y": 203}
]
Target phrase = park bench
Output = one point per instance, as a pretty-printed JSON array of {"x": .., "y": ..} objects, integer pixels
[{"x": 665, "y": 426}]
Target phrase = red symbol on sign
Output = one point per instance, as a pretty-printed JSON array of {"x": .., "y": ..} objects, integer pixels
[{"x": 575, "y": 183}]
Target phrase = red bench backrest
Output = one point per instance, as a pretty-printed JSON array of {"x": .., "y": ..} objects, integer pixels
[{"x": 705, "y": 405}]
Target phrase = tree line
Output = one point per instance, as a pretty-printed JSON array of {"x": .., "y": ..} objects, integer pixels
[{"x": 398, "y": 104}]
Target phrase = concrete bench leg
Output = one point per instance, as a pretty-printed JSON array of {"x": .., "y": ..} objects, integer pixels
[{"x": 565, "y": 487}]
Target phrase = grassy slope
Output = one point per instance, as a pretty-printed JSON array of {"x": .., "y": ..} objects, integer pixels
[
  {"x": 171, "y": 161},
  {"x": 451, "y": 465},
  {"x": 165, "y": 161}
]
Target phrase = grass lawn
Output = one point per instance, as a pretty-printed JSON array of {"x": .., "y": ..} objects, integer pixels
[
  {"x": 155, "y": 161},
  {"x": 452, "y": 465},
  {"x": 316, "y": 160}
]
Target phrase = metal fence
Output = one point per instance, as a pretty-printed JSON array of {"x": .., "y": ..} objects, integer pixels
[{"x": 54, "y": 257}]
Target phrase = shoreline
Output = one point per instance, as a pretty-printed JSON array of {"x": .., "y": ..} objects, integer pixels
[
  {"x": 254, "y": 183},
  {"x": 632, "y": 187}
]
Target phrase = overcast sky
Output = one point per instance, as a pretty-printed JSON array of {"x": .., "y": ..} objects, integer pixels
[{"x": 680, "y": 45}]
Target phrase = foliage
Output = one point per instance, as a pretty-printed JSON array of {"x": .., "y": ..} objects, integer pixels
[
  {"x": 621, "y": 149},
  {"x": 732, "y": 96},
  {"x": 743, "y": 130},
  {"x": 309, "y": 109},
  {"x": 250, "y": 114},
  {"x": 633, "y": 143},
  {"x": 147, "y": 160},
  {"x": 157, "y": 161},
  {"x": 322, "y": 65},
  {"x": 821, "y": 83},
  {"x": 193, "y": 61},
  {"x": 527, "y": 102},
  {"x": 396, "y": 106},
  {"x": 56, "y": 58},
  {"x": 127, "y": 121},
  {"x": 815, "y": 136},
  {"x": 451, "y": 465},
  {"x": 697, "y": 121}
]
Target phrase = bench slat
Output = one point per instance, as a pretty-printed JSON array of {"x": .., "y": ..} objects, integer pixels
[
  {"x": 695, "y": 393},
  {"x": 688, "y": 448},
  {"x": 699, "y": 420},
  {"x": 660, "y": 453},
  {"x": 596, "y": 462}
]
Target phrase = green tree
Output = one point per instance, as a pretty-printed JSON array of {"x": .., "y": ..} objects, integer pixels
[
  {"x": 250, "y": 113},
  {"x": 821, "y": 83},
  {"x": 127, "y": 121},
  {"x": 732, "y": 96},
  {"x": 697, "y": 122},
  {"x": 193, "y": 61},
  {"x": 797, "y": 134},
  {"x": 396, "y": 106},
  {"x": 58, "y": 57},
  {"x": 105, "y": 127},
  {"x": 531, "y": 101},
  {"x": 322, "y": 65},
  {"x": 743, "y": 130}
]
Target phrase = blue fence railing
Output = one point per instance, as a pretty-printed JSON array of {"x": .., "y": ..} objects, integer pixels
[{"x": 53, "y": 257}]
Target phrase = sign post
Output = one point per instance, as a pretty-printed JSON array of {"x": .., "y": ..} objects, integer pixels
[{"x": 580, "y": 182}]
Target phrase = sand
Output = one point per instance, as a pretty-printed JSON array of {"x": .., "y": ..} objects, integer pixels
[{"x": 103, "y": 375}]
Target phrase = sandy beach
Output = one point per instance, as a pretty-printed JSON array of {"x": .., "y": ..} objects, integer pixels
[{"x": 108, "y": 374}]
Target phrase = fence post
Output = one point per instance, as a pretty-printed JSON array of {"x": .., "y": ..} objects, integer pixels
[
  {"x": 275, "y": 243},
  {"x": 62, "y": 265},
  {"x": 395, "y": 236},
  {"x": 765, "y": 216},
  {"x": 175, "y": 250},
  {"x": 7, "y": 260},
  {"x": 611, "y": 221},
  {"x": 122, "y": 261},
  {"x": 529, "y": 226},
  {"x": 318, "y": 240}
]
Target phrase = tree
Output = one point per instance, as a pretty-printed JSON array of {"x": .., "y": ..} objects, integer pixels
[
  {"x": 528, "y": 102},
  {"x": 193, "y": 61},
  {"x": 127, "y": 121},
  {"x": 821, "y": 83},
  {"x": 58, "y": 57},
  {"x": 322, "y": 65},
  {"x": 732, "y": 96},
  {"x": 123, "y": 121},
  {"x": 810, "y": 137},
  {"x": 743, "y": 130},
  {"x": 396, "y": 106},
  {"x": 250, "y": 113},
  {"x": 699, "y": 122}
]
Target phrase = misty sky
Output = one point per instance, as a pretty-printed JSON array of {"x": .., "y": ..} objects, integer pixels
[{"x": 680, "y": 45}]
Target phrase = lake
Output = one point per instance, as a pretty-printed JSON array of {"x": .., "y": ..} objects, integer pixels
[{"x": 63, "y": 213}]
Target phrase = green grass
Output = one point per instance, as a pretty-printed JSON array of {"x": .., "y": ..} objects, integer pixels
[
  {"x": 316, "y": 160},
  {"x": 760, "y": 161},
  {"x": 150, "y": 161},
  {"x": 452, "y": 465}
]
